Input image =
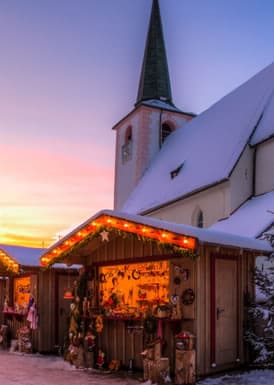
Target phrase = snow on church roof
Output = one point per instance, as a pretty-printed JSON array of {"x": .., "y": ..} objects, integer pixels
[
  {"x": 163, "y": 105},
  {"x": 209, "y": 145},
  {"x": 251, "y": 219},
  {"x": 266, "y": 126}
]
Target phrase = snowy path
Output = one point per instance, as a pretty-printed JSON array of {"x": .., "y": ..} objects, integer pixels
[
  {"x": 37, "y": 369},
  {"x": 50, "y": 370}
]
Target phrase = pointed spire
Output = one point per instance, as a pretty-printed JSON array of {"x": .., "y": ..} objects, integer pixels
[{"x": 154, "y": 80}]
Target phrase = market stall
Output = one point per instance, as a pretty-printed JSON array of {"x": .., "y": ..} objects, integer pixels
[
  {"x": 147, "y": 283},
  {"x": 33, "y": 307}
]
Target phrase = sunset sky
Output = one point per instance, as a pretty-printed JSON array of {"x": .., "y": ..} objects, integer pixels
[{"x": 69, "y": 70}]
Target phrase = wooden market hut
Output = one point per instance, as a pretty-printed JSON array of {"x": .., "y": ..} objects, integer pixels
[
  {"x": 153, "y": 280},
  {"x": 21, "y": 278}
]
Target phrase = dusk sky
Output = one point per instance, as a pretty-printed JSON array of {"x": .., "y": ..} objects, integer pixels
[{"x": 69, "y": 70}]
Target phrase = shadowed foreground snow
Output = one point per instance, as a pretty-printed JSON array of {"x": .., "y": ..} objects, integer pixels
[
  {"x": 254, "y": 377},
  {"x": 27, "y": 369}
]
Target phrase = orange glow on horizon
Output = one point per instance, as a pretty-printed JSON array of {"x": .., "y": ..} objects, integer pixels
[{"x": 51, "y": 191}]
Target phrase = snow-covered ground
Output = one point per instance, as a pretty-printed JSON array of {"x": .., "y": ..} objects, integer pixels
[
  {"x": 254, "y": 377},
  {"x": 27, "y": 369}
]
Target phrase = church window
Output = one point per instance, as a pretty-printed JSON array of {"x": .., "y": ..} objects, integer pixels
[
  {"x": 166, "y": 130},
  {"x": 200, "y": 219},
  {"x": 127, "y": 146}
]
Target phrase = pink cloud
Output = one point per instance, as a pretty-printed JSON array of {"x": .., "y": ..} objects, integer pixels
[{"x": 47, "y": 191}]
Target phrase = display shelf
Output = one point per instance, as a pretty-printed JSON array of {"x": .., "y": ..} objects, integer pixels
[{"x": 11, "y": 314}]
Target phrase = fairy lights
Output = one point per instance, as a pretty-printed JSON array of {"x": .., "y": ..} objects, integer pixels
[
  {"x": 8, "y": 263},
  {"x": 106, "y": 222}
]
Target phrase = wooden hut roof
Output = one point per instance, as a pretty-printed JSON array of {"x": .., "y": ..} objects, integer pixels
[{"x": 181, "y": 237}]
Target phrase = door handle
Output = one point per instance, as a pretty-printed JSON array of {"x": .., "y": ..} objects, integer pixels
[{"x": 219, "y": 311}]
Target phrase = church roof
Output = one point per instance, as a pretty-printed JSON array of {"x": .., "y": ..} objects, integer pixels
[
  {"x": 209, "y": 145},
  {"x": 252, "y": 219},
  {"x": 154, "y": 80}
]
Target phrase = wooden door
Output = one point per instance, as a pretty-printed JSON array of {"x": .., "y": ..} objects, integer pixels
[
  {"x": 63, "y": 310},
  {"x": 225, "y": 311}
]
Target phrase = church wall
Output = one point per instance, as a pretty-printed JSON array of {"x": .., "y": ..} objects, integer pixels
[
  {"x": 147, "y": 140},
  {"x": 146, "y": 127},
  {"x": 264, "y": 179},
  {"x": 214, "y": 203},
  {"x": 241, "y": 180},
  {"x": 124, "y": 172}
]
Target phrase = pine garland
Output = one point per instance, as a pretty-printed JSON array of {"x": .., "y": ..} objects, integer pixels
[{"x": 168, "y": 247}]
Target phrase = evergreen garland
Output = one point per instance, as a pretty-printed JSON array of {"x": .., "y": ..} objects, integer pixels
[{"x": 168, "y": 247}]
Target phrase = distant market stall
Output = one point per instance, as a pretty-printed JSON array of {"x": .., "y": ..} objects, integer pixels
[
  {"x": 158, "y": 296},
  {"x": 33, "y": 307}
]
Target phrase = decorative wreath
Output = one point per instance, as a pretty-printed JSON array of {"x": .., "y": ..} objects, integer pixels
[
  {"x": 135, "y": 274},
  {"x": 150, "y": 325},
  {"x": 188, "y": 297}
]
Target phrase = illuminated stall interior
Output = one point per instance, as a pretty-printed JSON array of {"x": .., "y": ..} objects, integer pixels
[
  {"x": 21, "y": 293},
  {"x": 133, "y": 288}
]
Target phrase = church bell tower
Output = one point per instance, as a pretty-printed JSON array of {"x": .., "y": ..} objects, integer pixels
[{"x": 141, "y": 134}]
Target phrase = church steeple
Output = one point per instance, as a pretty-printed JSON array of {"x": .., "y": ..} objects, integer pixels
[
  {"x": 154, "y": 80},
  {"x": 141, "y": 133}
]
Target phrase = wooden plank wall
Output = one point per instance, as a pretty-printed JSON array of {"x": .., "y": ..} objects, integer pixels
[
  {"x": 47, "y": 311},
  {"x": 122, "y": 249}
]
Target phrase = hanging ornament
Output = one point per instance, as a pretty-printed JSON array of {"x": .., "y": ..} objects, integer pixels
[
  {"x": 104, "y": 235},
  {"x": 68, "y": 292},
  {"x": 99, "y": 324}
]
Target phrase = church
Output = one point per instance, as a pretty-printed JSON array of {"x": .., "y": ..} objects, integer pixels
[
  {"x": 193, "y": 196},
  {"x": 215, "y": 170}
]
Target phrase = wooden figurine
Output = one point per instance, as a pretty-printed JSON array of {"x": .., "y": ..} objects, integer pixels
[{"x": 185, "y": 367}]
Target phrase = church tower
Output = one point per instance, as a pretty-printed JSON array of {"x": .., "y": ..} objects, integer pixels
[{"x": 141, "y": 133}]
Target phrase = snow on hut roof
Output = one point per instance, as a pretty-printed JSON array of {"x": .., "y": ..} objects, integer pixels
[
  {"x": 254, "y": 217},
  {"x": 208, "y": 146},
  {"x": 27, "y": 256},
  {"x": 183, "y": 236}
]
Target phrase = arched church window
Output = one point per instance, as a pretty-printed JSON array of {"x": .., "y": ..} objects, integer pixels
[
  {"x": 200, "y": 219},
  {"x": 166, "y": 130},
  {"x": 127, "y": 146}
]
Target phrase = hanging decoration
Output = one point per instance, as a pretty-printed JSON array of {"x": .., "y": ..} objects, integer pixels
[
  {"x": 104, "y": 236},
  {"x": 68, "y": 292},
  {"x": 188, "y": 297},
  {"x": 99, "y": 324}
]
